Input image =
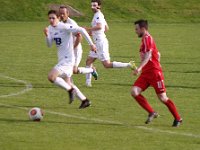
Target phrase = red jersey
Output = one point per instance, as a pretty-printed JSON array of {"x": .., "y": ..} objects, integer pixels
[{"x": 147, "y": 45}]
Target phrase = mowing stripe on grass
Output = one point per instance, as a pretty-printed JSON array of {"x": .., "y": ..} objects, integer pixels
[{"x": 29, "y": 87}]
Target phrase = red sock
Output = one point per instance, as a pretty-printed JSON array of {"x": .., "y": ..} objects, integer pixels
[
  {"x": 144, "y": 103},
  {"x": 172, "y": 108}
]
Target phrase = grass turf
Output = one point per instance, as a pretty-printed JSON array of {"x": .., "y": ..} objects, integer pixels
[{"x": 24, "y": 56}]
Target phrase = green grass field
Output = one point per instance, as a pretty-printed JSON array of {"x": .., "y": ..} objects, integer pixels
[{"x": 114, "y": 121}]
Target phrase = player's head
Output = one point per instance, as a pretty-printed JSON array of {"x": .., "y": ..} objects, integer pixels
[
  {"x": 95, "y": 5},
  {"x": 53, "y": 17},
  {"x": 141, "y": 26},
  {"x": 64, "y": 13}
]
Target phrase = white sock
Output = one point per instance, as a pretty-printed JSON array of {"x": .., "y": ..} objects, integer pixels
[
  {"x": 61, "y": 83},
  {"x": 79, "y": 94},
  {"x": 85, "y": 70},
  {"x": 88, "y": 76},
  {"x": 120, "y": 64}
]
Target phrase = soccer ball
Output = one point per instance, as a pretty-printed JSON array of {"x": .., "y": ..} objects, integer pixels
[{"x": 35, "y": 114}]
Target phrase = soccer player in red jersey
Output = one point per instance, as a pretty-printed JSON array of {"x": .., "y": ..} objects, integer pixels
[{"x": 151, "y": 75}]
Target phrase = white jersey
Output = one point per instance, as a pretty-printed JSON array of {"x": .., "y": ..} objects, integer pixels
[
  {"x": 62, "y": 35},
  {"x": 99, "y": 35},
  {"x": 71, "y": 21}
]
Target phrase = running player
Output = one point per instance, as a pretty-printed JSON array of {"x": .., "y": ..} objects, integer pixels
[
  {"x": 64, "y": 17},
  {"x": 62, "y": 35},
  {"x": 151, "y": 75},
  {"x": 98, "y": 29}
]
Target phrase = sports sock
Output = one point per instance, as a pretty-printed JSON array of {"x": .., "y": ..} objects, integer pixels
[
  {"x": 85, "y": 70},
  {"x": 61, "y": 83},
  {"x": 79, "y": 93},
  {"x": 120, "y": 64},
  {"x": 172, "y": 108},
  {"x": 144, "y": 103},
  {"x": 88, "y": 76}
]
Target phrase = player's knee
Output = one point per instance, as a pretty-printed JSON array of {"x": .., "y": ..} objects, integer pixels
[
  {"x": 51, "y": 78},
  {"x": 75, "y": 71},
  {"x": 163, "y": 97},
  {"x": 134, "y": 92},
  {"x": 107, "y": 65}
]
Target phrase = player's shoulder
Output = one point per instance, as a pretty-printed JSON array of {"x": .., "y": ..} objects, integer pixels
[
  {"x": 71, "y": 21},
  {"x": 148, "y": 36},
  {"x": 98, "y": 15}
]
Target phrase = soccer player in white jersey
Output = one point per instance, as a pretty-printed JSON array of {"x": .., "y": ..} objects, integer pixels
[
  {"x": 64, "y": 17},
  {"x": 98, "y": 29},
  {"x": 62, "y": 35}
]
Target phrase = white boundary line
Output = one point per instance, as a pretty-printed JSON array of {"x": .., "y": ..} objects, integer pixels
[{"x": 29, "y": 87}]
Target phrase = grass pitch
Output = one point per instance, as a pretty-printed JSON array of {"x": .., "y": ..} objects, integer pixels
[{"x": 114, "y": 121}]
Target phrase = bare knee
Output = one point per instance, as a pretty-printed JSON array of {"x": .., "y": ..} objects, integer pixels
[
  {"x": 51, "y": 77},
  {"x": 135, "y": 91},
  {"x": 107, "y": 64},
  {"x": 75, "y": 70},
  {"x": 163, "y": 97}
]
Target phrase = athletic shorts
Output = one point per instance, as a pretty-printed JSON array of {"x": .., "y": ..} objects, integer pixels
[
  {"x": 102, "y": 51},
  {"x": 78, "y": 51},
  {"x": 154, "y": 78},
  {"x": 64, "y": 69}
]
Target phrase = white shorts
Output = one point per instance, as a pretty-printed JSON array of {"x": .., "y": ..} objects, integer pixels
[
  {"x": 102, "y": 51},
  {"x": 64, "y": 69},
  {"x": 78, "y": 51}
]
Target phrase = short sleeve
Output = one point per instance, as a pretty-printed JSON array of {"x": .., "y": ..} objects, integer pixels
[
  {"x": 147, "y": 43},
  {"x": 99, "y": 19}
]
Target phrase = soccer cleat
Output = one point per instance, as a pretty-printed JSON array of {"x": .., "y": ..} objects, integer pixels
[
  {"x": 151, "y": 117},
  {"x": 132, "y": 65},
  {"x": 84, "y": 104},
  {"x": 94, "y": 74},
  {"x": 177, "y": 123},
  {"x": 72, "y": 93}
]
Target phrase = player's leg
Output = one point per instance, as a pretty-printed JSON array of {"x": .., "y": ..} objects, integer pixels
[
  {"x": 85, "y": 102},
  {"x": 136, "y": 90},
  {"x": 91, "y": 58},
  {"x": 157, "y": 82},
  {"x": 53, "y": 77},
  {"x": 104, "y": 56},
  {"x": 172, "y": 108}
]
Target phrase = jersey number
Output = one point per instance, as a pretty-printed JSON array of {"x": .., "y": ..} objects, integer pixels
[{"x": 58, "y": 41}]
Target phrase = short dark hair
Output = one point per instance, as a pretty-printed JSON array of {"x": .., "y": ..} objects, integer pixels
[
  {"x": 142, "y": 23},
  {"x": 53, "y": 12},
  {"x": 63, "y": 6},
  {"x": 98, "y": 1}
]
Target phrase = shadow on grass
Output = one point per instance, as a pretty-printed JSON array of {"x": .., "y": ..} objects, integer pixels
[
  {"x": 197, "y": 71},
  {"x": 168, "y": 86},
  {"x": 44, "y": 122}
]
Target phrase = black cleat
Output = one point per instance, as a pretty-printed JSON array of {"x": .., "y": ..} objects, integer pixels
[
  {"x": 84, "y": 104},
  {"x": 72, "y": 93},
  {"x": 151, "y": 117},
  {"x": 177, "y": 123}
]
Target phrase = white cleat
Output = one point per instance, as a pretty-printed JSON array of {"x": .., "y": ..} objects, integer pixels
[
  {"x": 132, "y": 65},
  {"x": 88, "y": 84}
]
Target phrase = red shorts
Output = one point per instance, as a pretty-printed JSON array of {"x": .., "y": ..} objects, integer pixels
[{"x": 154, "y": 78}]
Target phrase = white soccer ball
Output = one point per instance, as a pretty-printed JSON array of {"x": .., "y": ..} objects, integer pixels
[{"x": 35, "y": 114}]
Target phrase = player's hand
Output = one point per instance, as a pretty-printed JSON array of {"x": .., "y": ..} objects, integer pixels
[
  {"x": 93, "y": 48},
  {"x": 136, "y": 71},
  {"x": 46, "y": 31}
]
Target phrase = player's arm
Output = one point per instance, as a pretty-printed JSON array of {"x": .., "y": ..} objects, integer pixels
[
  {"x": 147, "y": 57},
  {"x": 106, "y": 27},
  {"x": 78, "y": 39},
  {"x": 49, "y": 40},
  {"x": 84, "y": 33}
]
